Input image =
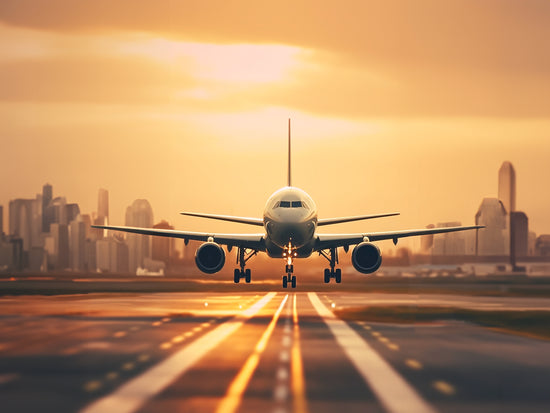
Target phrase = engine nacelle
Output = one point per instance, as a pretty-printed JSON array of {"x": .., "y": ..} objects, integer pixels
[
  {"x": 210, "y": 257},
  {"x": 366, "y": 258}
]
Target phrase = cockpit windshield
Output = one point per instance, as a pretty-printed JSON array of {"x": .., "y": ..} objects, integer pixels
[{"x": 290, "y": 204}]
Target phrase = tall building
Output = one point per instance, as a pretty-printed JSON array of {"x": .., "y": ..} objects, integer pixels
[
  {"x": 47, "y": 211},
  {"x": 451, "y": 243},
  {"x": 21, "y": 214},
  {"x": 163, "y": 247},
  {"x": 493, "y": 239},
  {"x": 139, "y": 214},
  {"x": 59, "y": 246},
  {"x": 73, "y": 211},
  {"x": 103, "y": 205},
  {"x": 1, "y": 221},
  {"x": 519, "y": 234},
  {"x": 507, "y": 186},
  {"x": 77, "y": 244}
]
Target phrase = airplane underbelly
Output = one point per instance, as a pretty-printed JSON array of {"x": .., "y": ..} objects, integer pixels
[{"x": 297, "y": 234}]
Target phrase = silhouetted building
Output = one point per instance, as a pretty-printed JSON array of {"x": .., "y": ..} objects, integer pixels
[
  {"x": 48, "y": 214},
  {"x": 507, "y": 186},
  {"x": 532, "y": 242},
  {"x": 542, "y": 246},
  {"x": 1, "y": 221},
  {"x": 492, "y": 240},
  {"x": 73, "y": 210},
  {"x": 103, "y": 205},
  {"x": 162, "y": 247},
  {"x": 21, "y": 220},
  {"x": 427, "y": 241},
  {"x": 519, "y": 234},
  {"x": 112, "y": 255},
  {"x": 77, "y": 245},
  {"x": 451, "y": 243},
  {"x": 58, "y": 246},
  {"x": 139, "y": 214}
]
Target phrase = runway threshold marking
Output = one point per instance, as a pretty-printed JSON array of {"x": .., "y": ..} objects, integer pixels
[
  {"x": 233, "y": 397},
  {"x": 392, "y": 390},
  {"x": 297, "y": 368},
  {"x": 133, "y": 394}
]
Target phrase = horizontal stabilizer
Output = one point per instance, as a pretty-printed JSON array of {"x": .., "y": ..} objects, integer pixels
[
  {"x": 241, "y": 220},
  {"x": 330, "y": 221}
]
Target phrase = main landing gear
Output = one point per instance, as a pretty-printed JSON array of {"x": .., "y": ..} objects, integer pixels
[
  {"x": 289, "y": 254},
  {"x": 331, "y": 272},
  {"x": 242, "y": 258}
]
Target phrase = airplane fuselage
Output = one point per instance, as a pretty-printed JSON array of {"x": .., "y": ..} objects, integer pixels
[{"x": 290, "y": 221}]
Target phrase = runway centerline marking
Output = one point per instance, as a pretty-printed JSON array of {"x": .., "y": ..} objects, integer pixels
[
  {"x": 232, "y": 399},
  {"x": 391, "y": 390},
  {"x": 297, "y": 367},
  {"x": 133, "y": 394}
]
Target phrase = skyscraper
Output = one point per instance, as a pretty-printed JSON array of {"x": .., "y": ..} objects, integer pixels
[
  {"x": 103, "y": 206},
  {"x": 163, "y": 247},
  {"x": 139, "y": 214},
  {"x": 1, "y": 220},
  {"x": 507, "y": 186},
  {"x": 493, "y": 239},
  {"x": 47, "y": 211}
]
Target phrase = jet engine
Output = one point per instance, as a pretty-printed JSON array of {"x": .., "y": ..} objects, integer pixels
[
  {"x": 366, "y": 258},
  {"x": 210, "y": 257}
]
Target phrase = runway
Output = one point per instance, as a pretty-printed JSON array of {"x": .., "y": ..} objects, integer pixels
[{"x": 259, "y": 352}]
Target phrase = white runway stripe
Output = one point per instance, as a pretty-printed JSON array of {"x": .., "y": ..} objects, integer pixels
[
  {"x": 393, "y": 392},
  {"x": 136, "y": 392}
]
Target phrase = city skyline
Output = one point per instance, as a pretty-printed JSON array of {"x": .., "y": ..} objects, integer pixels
[{"x": 393, "y": 109}]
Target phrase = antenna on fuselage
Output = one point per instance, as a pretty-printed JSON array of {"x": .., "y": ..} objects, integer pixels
[{"x": 289, "y": 169}]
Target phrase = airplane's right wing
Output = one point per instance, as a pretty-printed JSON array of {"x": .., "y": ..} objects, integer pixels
[
  {"x": 325, "y": 241},
  {"x": 250, "y": 241},
  {"x": 330, "y": 221}
]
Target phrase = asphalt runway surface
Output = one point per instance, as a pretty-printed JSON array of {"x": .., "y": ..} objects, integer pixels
[{"x": 260, "y": 352}]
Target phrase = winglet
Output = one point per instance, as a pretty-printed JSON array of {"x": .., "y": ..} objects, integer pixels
[{"x": 289, "y": 169}]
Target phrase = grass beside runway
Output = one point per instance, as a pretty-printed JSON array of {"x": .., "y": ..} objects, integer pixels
[{"x": 531, "y": 323}]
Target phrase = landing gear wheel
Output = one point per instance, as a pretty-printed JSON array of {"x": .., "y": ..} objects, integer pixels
[
  {"x": 289, "y": 269},
  {"x": 247, "y": 275},
  {"x": 327, "y": 275},
  {"x": 293, "y": 282},
  {"x": 285, "y": 281},
  {"x": 338, "y": 276},
  {"x": 237, "y": 275}
]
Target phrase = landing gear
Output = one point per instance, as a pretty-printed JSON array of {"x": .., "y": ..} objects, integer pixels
[
  {"x": 331, "y": 272},
  {"x": 289, "y": 253},
  {"x": 242, "y": 257}
]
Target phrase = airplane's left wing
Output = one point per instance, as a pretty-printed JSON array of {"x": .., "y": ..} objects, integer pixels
[
  {"x": 250, "y": 241},
  {"x": 325, "y": 241}
]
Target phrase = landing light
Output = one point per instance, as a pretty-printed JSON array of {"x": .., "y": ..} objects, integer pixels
[{"x": 333, "y": 305}]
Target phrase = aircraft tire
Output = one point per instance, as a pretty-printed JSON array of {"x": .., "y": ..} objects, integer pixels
[
  {"x": 247, "y": 276},
  {"x": 236, "y": 276},
  {"x": 327, "y": 275},
  {"x": 293, "y": 281},
  {"x": 338, "y": 276},
  {"x": 285, "y": 281}
]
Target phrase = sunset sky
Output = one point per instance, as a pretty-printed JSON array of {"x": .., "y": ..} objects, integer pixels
[{"x": 406, "y": 106}]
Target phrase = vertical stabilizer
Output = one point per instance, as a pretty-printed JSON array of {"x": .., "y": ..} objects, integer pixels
[{"x": 289, "y": 168}]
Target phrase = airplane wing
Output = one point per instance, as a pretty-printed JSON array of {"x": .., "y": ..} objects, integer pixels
[
  {"x": 325, "y": 241},
  {"x": 250, "y": 241},
  {"x": 330, "y": 221},
  {"x": 242, "y": 220}
]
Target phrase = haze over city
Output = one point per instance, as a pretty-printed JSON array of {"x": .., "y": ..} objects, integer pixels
[{"x": 185, "y": 105}]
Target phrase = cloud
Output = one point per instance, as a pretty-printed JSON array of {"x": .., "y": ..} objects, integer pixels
[{"x": 395, "y": 58}]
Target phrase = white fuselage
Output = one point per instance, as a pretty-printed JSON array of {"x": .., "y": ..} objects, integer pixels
[{"x": 290, "y": 220}]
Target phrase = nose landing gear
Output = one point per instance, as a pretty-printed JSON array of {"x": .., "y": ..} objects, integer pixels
[{"x": 289, "y": 253}]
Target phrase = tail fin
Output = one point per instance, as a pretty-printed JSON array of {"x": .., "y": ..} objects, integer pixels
[{"x": 289, "y": 169}]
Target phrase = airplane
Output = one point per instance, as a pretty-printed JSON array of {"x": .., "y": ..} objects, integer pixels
[{"x": 290, "y": 225}]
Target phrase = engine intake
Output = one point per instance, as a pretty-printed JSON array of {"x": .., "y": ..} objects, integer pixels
[
  {"x": 366, "y": 258},
  {"x": 210, "y": 257}
]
